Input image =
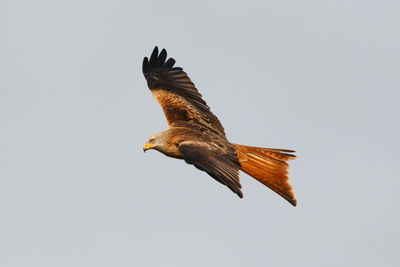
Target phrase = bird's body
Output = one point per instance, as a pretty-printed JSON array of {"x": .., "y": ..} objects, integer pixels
[
  {"x": 182, "y": 132},
  {"x": 197, "y": 136}
]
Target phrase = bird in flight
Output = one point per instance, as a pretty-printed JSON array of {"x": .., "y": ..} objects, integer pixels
[{"x": 196, "y": 135}]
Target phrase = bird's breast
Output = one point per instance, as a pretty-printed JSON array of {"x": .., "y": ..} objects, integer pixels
[{"x": 172, "y": 150}]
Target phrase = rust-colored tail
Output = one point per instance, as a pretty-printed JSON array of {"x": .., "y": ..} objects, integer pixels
[{"x": 268, "y": 166}]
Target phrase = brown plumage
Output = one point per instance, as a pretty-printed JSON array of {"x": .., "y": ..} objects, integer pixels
[{"x": 196, "y": 135}]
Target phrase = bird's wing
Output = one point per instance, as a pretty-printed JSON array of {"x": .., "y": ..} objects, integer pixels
[
  {"x": 218, "y": 163},
  {"x": 177, "y": 94}
]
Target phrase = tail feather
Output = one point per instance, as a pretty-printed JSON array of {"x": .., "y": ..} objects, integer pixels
[{"x": 268, "y": 166}]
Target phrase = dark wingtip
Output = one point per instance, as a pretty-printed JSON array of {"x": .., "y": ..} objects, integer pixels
[
  {"x": 163, "y": 52},
  {"x": 161, "y": 58},
  {"x": 145, "y": 66},
  {"x": 158, "y": 62},
  {"x": 154, "y": 56},
  {"x": 170, "y": 63}
]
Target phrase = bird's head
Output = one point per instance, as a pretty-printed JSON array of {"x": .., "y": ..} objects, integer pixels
[{"x": 156, "y": 141}]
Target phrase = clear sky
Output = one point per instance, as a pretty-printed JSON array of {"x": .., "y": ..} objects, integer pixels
[{"x": 319, "y": 77}]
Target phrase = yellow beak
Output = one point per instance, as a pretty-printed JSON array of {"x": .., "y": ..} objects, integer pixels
[{"x": 147, "y": 147}]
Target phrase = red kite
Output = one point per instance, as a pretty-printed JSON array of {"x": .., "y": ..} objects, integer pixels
[{"x": 196, "y": 135}]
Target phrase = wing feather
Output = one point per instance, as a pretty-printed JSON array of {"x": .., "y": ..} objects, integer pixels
[
  {"x": 177, "y": 94},
  {"x": 218, "y": 163}
]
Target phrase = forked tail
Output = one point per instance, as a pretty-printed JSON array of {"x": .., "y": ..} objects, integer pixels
[{"x": 268, "y": 166}]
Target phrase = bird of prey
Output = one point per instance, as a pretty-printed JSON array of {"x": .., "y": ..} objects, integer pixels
[{"x": 196, "y": 135}]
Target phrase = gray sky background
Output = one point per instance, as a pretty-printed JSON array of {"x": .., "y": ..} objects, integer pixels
[{"x": 320, "y": 77}]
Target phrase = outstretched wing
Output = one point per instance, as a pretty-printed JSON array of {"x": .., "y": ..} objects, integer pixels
[
  {"x": 217, "y": 162},
  {"x": 177, "y": 94}
]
